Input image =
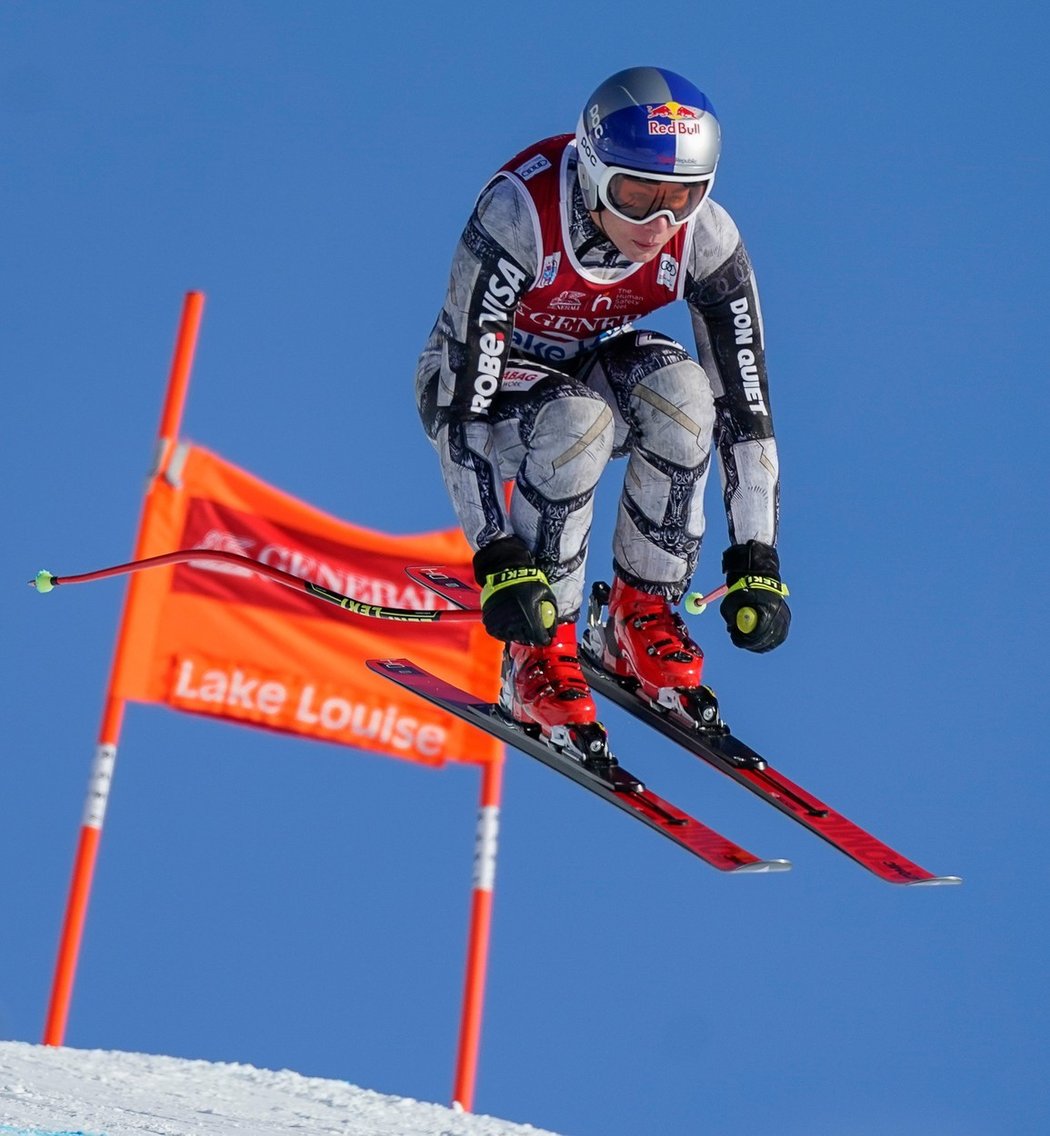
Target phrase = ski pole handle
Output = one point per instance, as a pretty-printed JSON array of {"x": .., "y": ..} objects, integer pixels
[{"x": 44, "y": 582}]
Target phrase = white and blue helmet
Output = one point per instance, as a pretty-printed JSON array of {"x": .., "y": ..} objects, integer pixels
[{"x": 648, "y": 143}]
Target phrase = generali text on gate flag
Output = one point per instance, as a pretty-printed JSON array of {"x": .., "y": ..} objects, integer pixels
[{"x": 213, "y": 638}]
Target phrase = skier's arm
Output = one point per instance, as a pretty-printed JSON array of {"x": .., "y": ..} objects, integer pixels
[
  {"x": 727, "y": 321},
  {"x": 462, "y": 366}
]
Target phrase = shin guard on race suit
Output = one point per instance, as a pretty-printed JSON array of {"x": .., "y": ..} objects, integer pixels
[
  {"x": 544, "y": 686},
  {"x": 646, "y": 640}
]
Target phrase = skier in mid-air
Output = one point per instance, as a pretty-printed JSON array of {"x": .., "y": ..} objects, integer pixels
[{"x": 534, "y": 372}]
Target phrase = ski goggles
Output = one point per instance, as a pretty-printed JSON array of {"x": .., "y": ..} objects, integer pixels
[{"x": 642, "y": 199}]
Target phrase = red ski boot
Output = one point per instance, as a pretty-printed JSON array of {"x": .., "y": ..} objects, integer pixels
[
  {"x": 645, "y": 640},
  {"x": 544, "y": 691}
]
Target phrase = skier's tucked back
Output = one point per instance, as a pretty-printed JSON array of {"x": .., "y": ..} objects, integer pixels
[{"x": 536, "y": 373}]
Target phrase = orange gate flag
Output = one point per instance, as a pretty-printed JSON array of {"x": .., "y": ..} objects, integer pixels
[{"x": 214, "y": 639}]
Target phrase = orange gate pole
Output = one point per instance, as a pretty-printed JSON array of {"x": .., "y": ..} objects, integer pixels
[{"x": 113, "y": 710}]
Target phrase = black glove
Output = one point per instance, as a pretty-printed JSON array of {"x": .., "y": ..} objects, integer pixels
[
  {"x": 755, "y": 608},
  {"x": 517, "y": 604}
]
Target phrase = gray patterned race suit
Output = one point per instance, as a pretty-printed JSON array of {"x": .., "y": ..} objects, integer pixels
[{"x": 635, "y": 393}]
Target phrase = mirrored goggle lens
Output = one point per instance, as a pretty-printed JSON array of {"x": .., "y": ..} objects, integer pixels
[{"x": 640, "y": 199}]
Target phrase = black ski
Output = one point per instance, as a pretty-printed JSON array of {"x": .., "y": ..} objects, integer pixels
[{"x": 613, "y": 784}]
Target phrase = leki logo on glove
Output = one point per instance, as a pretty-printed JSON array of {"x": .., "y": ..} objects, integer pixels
[
  {"x": 508, "y": 576},
  {"x": 760, "y": 584}
]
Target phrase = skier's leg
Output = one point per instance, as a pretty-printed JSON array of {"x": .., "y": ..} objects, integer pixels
[
  {"x": 665, "y": 419},
  {"x": 553, "y": 437},
  {"x": 564, "y": 433}
]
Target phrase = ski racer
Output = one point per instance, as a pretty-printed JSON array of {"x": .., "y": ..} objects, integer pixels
[{"x": 535, "y": 373}]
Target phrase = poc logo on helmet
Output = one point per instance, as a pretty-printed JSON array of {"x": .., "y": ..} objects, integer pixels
[{"x": 596, "y": 120}]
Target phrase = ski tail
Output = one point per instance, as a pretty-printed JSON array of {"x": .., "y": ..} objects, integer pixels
[{"x": 448, "y": 583}]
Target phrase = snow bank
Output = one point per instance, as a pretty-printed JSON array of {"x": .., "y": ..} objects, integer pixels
[{"x": 72, "y": 1092}]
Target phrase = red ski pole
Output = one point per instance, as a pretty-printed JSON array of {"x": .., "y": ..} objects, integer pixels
[{"x": 44, "y": 581}]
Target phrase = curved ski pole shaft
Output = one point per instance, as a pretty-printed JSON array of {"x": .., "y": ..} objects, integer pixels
[
  {"x": 452, "y": 587},
  {"x": 44, "y": 581}
]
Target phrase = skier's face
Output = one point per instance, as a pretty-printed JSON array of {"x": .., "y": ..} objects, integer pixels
[{"x": 639, "y": 243}]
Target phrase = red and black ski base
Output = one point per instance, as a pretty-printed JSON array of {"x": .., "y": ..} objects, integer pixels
[
  {"x": 722, "y": 750},
  {"x": 731, "y": 756},
  {"x": 616, "y": 786}
]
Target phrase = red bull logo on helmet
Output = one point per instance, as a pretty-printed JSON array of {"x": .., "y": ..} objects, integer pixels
[{"x": 683, "y": 119}]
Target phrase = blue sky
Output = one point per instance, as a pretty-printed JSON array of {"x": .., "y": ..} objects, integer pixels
[{"x": 266, "y": 900}]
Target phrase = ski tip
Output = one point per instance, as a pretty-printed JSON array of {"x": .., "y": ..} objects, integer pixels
[
  {"x": 936, "y": 881},
  {"x": 763, "y": 867}
]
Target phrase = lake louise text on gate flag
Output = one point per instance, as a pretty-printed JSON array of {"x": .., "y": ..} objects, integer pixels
[{"x": 215, "y": 638}]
